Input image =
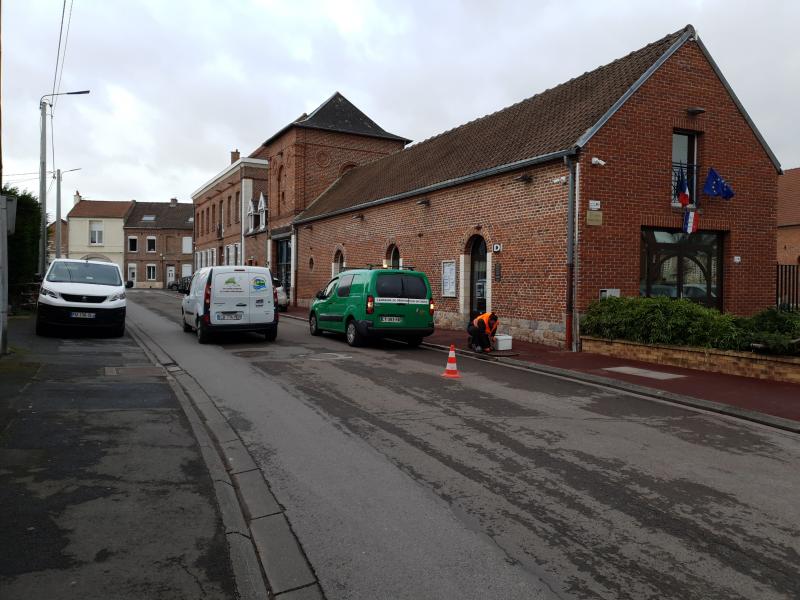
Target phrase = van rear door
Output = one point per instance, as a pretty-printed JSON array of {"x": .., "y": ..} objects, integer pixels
[
  {"x": 262, "y": 305},
  {"x": 230, "y": 297},
  {"x": 401, "y": 301}
]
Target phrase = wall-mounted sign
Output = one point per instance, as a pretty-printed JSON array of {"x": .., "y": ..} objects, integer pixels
[
  {"x": 594, "y": 204},
  {"x": 594, "y": 217},
  {"x": 497, "y": 247},
  {"x": 449, "y": 278}
]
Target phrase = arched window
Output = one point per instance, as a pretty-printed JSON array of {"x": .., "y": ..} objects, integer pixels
[
  {"x": 252, "y": 217},
  {"x": 393, "y": 257},
  {"x": 338, "y": 263},
  {"x": 262, "y": 212}
]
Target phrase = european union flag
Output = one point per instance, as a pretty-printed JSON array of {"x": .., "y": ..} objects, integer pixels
[{"x": 717, "y": 186}]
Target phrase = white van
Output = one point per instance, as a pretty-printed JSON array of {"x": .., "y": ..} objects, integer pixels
[
  {"x": 81, "y": 293},
  {"x": 230, "y": 299}
]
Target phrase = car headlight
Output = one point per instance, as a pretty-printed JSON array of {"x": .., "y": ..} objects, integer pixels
[
  {"x": 45, "y": 292},
  {"x": 120, "y": 296}
]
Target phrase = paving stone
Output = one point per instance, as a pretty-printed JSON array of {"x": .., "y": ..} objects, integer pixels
[{"x": 281, "y": 556}]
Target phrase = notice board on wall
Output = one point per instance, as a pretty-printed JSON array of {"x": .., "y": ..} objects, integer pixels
[{"x": 449, "y": 278}]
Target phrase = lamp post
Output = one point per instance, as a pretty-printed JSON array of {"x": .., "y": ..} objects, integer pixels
[{"x": 42, "y": 170}]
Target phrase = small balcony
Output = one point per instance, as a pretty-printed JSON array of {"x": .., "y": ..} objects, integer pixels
[{"x": 690, "y": 171}]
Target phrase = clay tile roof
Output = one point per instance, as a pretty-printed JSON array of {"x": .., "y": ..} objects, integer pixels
[
  {"x": 109, "y": 209},
  {"x": 548, "y": 123},
  {"x": 337, "y": 113},
  {"x": 789, "y": 197},
  {"x": 166, "y": 215}
]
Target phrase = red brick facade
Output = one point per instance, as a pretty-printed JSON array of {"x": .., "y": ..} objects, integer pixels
[
  {"x": 522, "y": 213},
  {"x": 789, "y": 245},
  {"x": 166, "y": 260},
  {"x": 635, "y": 185}
]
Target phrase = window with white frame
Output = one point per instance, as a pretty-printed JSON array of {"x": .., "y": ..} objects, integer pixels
[
  {"x": 96, "y": 233},
  {"x": 133, "y": 243},
  {"x": 151, "y": 243},
  {"x": 262, "y": 212},
  {"x": 252, "y": 217},
  {"x": 186, "y": 247},
  {"x": 151, "y": 272}
]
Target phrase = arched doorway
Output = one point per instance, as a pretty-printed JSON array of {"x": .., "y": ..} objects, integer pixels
[
  {"x": 477, "y": 284},
  {"x": 393, "y": 257},
  {"x": 338, "y": 262}
]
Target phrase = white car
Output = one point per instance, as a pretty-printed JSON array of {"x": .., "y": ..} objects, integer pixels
[
  {"x": 231, "y": 298},
  {"x": 81, "y": 293}
]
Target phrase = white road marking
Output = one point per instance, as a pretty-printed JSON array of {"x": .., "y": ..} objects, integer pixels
[{"x": 644, "y": 373}]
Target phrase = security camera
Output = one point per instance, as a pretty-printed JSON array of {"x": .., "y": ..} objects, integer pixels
[{"x": 598, "y": 162}]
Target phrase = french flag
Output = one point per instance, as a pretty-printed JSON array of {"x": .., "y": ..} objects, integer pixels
[
  {"x": 683, "y": 188},
  {"x": 690, "y": 221}
]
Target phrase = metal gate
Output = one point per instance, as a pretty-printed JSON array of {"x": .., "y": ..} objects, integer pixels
[{"x": 787, "y": 287}]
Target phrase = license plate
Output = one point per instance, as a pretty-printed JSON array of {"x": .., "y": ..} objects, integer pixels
[
  {"x": 229, "y": 316},
  {"x": 391, "y": 319},
  {"x": 82, "y": 315}
]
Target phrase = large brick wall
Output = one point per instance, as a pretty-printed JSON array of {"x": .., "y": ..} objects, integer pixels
[
  {"x": 634, "y": 186},
  {"x": 528, "y": 219}
]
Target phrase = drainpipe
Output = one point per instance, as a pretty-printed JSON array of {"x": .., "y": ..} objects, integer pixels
[{"x": 570, "y": 309}]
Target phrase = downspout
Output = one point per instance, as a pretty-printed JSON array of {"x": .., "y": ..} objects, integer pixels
[{"x": 569, "y": 342}]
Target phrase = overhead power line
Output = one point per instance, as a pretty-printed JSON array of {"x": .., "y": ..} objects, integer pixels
[{"x": 64, "y": 53}]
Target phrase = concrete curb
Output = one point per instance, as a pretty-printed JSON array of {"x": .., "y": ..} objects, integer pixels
[
  {"x": 624, "y": 386},
  {"x": 265, "y": 553}
]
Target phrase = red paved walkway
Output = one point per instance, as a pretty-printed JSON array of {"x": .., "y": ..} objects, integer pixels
[{"x": 769, "y": 397}]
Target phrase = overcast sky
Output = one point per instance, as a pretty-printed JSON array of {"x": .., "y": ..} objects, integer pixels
[{"x": 176, "y": 85}]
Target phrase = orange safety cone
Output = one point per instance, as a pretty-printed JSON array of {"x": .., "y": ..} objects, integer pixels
[{"x": 451, "y": 371}]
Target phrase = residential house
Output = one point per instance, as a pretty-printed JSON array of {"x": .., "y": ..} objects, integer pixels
[
  {"x": 96, "y": 230},
  {"x": 51, "y": 240},
  {"x": 158, "y": 243}
]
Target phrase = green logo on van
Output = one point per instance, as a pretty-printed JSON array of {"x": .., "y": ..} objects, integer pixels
[
  {"x": 259, "y": 283},
  {"x": 230, "y": 281}
]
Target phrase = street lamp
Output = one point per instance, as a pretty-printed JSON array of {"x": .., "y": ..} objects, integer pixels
[{"x": 42, "y": 170}]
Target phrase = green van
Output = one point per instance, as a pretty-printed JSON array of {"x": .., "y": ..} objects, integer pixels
[{"x": 373, "y": 303}]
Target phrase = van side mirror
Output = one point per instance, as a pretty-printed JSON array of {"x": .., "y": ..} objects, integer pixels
[
  {"x": 129, "y": 284},
  {"x": 320, "y": 295}
]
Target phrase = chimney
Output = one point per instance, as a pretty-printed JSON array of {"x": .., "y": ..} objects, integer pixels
[
  {"x": 77, "y": 197},
  {"x": 173, "y": 201},
  {"x": 235, "y": 156}
]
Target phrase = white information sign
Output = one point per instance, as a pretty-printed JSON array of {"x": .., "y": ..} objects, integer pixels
[{"x": 449, "y": 278}]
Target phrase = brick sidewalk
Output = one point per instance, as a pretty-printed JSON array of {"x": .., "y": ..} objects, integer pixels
[{"x": 768, "y": 397}]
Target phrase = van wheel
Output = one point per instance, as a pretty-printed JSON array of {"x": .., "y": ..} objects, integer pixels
[
  {"x": 186, "y": 327},
  {"x": 414, "y": 341},
  {"x": 313, "y": 326},
  {"x": 354, "y": 338},
  {"x": 271, "y": 334},
  {"x": 202, "y": 333}
]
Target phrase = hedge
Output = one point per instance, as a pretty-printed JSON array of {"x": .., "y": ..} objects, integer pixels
[{"x": 684, "y": 323}]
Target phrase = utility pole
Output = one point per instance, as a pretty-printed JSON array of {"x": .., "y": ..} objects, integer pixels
[
  {"x": 42, "y": 185},
  {"x": 58, "y": 209},
  {"x": 3, "y": 276},
  {"x": 43, "y": 171}
]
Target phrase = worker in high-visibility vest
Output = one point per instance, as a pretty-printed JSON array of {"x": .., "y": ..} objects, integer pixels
[{"x": 482, "y": 330}]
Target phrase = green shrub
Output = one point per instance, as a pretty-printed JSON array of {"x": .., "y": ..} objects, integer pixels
[{"x": 685, "y": 323}]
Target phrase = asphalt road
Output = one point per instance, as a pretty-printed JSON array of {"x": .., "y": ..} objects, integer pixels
[{"x": 503, "y": 484}]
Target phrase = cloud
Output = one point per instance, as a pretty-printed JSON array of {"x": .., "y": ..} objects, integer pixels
[{"x": 176, "y": 85}]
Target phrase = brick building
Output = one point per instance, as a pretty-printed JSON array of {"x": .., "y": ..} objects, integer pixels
[
  {"x": 789, "y": 217},
  {"x": 251, "y": 204},
  {"x": 158, "y": 243},
  {"x": 540, "y": 208},
  {"x": 230, "y": 215}
]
